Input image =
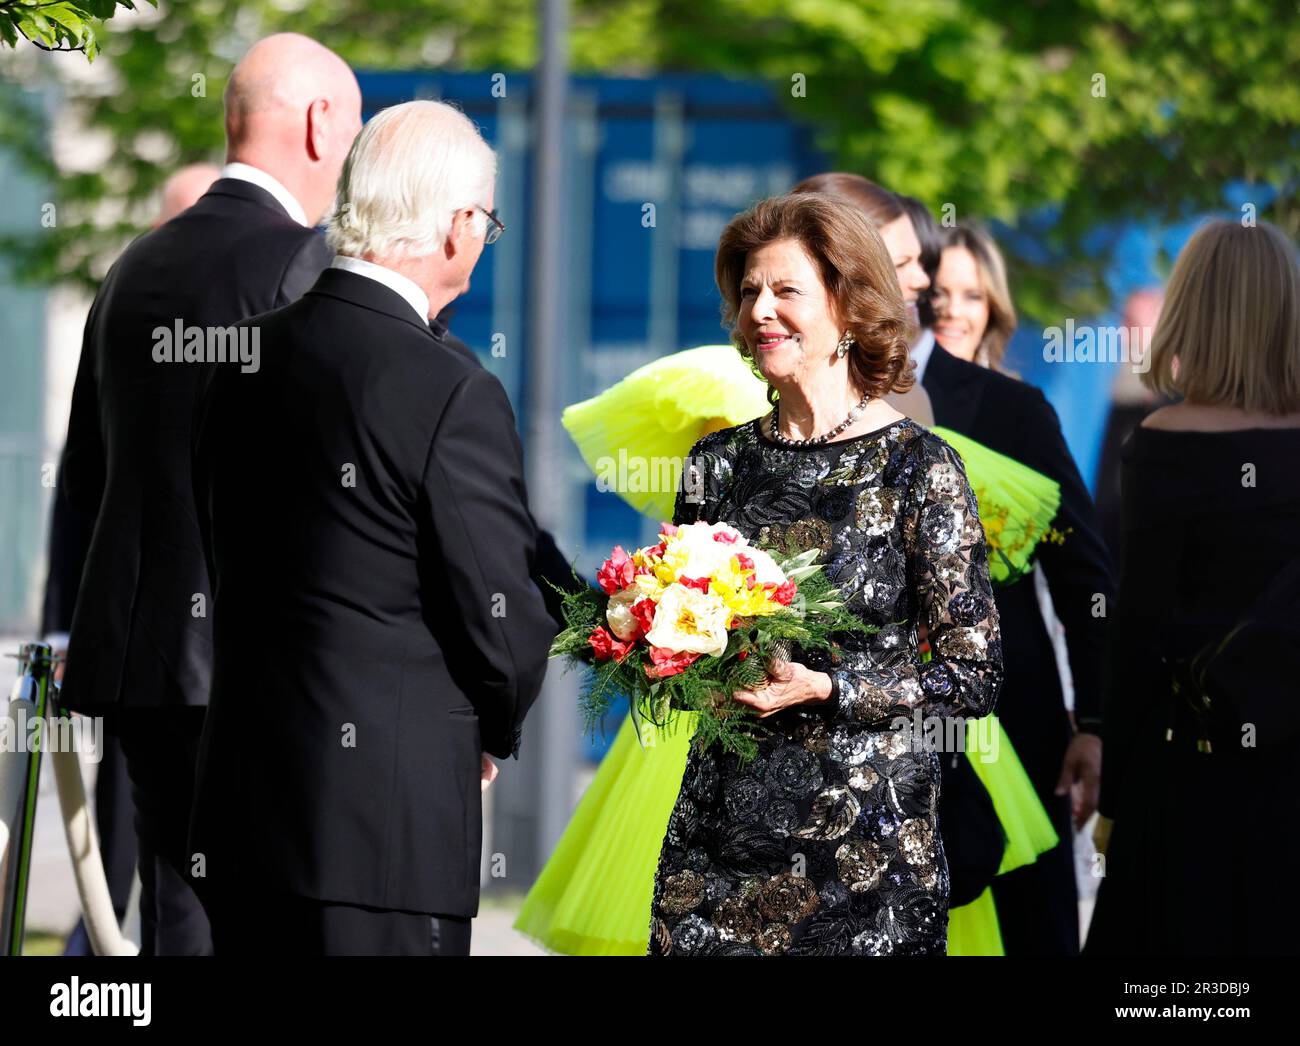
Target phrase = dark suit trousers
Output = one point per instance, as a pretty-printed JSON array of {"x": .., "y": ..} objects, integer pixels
[
  {"x": 253, "y": 922},
  {"x": 161, "y": 748}
]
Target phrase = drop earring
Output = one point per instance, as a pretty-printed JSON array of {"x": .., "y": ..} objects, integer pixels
[{"x": 846, "y": 343}]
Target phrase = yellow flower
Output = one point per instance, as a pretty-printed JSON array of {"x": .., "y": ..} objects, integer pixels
[
  {"x": 651, "y": 586},
  {"x": 732, "y": 586}
]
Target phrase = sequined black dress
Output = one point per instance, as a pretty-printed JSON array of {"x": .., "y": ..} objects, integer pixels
[{"x": 827, "y": 843}]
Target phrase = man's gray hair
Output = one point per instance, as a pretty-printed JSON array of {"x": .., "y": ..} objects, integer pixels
[{"x": 411, "y": 168}]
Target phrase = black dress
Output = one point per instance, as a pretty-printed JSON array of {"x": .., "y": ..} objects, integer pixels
[
  {"x": 1205, "y": 847},
  {"x": 827, "y": 843}
]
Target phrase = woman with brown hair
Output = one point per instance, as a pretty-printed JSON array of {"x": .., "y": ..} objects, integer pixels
[
  {"x": 827, "y": 842},
  {"x": 1200, "y": 717}
]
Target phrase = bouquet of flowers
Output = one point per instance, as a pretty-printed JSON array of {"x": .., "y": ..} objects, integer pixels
[{"x": 684, "y": 624}]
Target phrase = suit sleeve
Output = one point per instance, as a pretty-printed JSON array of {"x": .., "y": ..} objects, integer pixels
[
  {"x": 307, "y": 263},
  {"x": 1078, "y": 570},
  {"x": 84, "y": 469},
  {"x": 70, "y": 533},
  {"x": 202, "y": 447},
  {"x": 474, "y": 488},
  {"x": 551, "y": 568}
]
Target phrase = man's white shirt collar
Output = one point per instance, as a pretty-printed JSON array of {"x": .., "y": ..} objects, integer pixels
[
  {"x": 406, "y": 287},
  {"x": 922, "y": 351},
  {"x": 248, "y": 173}
]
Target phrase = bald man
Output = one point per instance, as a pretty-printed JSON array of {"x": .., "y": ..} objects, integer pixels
[
  {"x": 141, "y": 640},
  {"x": 182, "y": 190},
  {"x": 69, "y": 541}
]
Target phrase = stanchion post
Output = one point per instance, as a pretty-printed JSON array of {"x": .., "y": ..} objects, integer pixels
[{"x": 30, "y": 697}]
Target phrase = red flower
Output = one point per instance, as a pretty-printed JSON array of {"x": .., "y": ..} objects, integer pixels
[
  {"x": 702, "y": 583},
  {"x": 617, "y": 572},
  {"x": 666, "y": 663},
  {"x": 604, "y": 645},
  {"x": 743, "y": 561},
  {"x": 644, "y": 612},
  {"x": 667, "y": 530},
  {"x": 742, "y": 655},
  {"x": 785, "y": 594},
  {"x": 724, "y": 537}
]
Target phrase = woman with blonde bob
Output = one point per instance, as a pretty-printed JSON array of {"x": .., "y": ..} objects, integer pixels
[
  {"x": 1198, "y": 791},
  {"x": 1226, "y": 341}
]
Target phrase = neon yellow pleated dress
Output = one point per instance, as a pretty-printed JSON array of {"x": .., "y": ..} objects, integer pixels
[
  {"x": 658, "y": 412},
  {"x": 1017, "y": 504},
  {"x": 593, "y": 896}
]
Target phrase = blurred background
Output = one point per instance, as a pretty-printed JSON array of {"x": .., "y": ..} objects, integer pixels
[{"x": 1092, "y": 136}]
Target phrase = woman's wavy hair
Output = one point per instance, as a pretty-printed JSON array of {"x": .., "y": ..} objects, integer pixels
[
  {"x": 855, "y": 269},
  {"x": 993, "y": 277}
]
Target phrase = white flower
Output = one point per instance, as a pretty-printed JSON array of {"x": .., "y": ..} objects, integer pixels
[
  {"x": 697, "y": 553},
  {"x": 689, "y": 621},
  {"x": 619, "y": 612},
  {"x": 765, "y": 568}
]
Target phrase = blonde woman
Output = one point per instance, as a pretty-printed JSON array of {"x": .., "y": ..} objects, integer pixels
[
  {"x": 974, "y": 315},
  {"x": 1199, "y": 779}
]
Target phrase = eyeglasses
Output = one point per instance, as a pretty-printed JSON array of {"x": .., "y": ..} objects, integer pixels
[{"x": 495, "y": 226}]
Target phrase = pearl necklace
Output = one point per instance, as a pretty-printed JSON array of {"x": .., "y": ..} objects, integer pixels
[{"x": 814, "y": 441}]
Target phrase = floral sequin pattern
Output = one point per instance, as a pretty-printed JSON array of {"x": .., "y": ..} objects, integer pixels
[{"x": 827, "y": 843}]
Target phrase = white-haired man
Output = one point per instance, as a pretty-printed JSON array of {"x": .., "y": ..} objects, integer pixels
[
  {"x": 377, "y": 630},
  {"x": 140, "y": 651}
]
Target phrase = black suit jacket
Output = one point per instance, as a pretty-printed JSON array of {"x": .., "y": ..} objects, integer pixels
[
  {"x": 550, "y": 569},
  {"x": 1015, "y": 419},
  {"x": 376, "y": 624},
  {"x": 141, "y": 632}
]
